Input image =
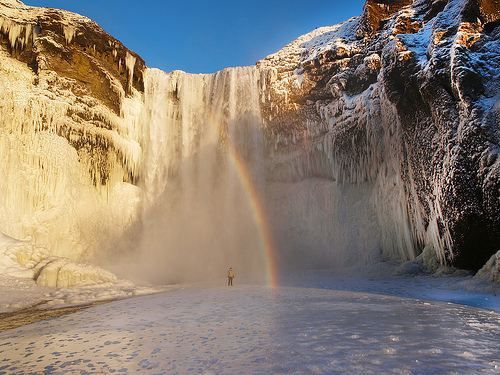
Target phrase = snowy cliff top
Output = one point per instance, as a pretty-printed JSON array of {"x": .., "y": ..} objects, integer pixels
[
  {"x": 308, "y": 46},
  {"x": 17, "y": 11}
]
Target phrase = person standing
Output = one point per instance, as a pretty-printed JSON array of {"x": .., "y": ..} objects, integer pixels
[{"x": 230, "y": 276}]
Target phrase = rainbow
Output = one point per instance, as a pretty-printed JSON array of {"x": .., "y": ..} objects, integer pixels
[
  {"x": 267, "y": 244},
  {"x": 259, "y": 215}
]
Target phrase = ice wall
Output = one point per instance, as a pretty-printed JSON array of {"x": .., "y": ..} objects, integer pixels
[
  {"x": 52, "y": 166},
  {"x": 346, "y": 200}
]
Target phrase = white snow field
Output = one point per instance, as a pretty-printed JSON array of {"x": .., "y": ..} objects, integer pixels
[{"x": 259, "y": 330}]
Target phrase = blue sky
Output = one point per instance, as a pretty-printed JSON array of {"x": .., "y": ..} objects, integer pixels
[{"x": 203, "y": 36}]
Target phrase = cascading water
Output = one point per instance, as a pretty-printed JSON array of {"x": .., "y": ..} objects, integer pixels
[
  {"x": 202, "y": 134},
  {"x": 196, "y": 215}
]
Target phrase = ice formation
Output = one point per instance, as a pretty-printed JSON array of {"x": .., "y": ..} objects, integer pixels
[
  {"x": 64, "y": 155},
  {"x": 491, "y": 270},
  {"x": 60, "y": 273},
  {"x": 69, "y": 33},
  {"x": 50, "y": 192},
  {"x": 19, "y": 35},
  {"x": 130, "y": 61}
]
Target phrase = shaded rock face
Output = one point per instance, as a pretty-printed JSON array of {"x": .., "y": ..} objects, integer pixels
[
  {"x": 399, "y": 105},
  {"x": 408, "y": 90}
]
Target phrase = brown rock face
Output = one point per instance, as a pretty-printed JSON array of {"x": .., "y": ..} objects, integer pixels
[
  {"x": 489, "y": 10},
  {"x": 73, "y": 47},
  {"x": 377, "y": 12}
]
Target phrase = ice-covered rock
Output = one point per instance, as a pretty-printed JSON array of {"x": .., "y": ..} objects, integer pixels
[
  {"x": 69, "y": 149},
  {"x": 62, "y": 273},
  {"x": 403, "y": 99},
  {"x": 491, "y": 270}
]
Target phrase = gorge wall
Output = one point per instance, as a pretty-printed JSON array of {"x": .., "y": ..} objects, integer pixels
[
  {"x": 377, "y": 136},
  {"x": 404, "y": 98}
]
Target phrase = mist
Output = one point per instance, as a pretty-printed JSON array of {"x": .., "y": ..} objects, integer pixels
[
  {"x": 195, "y": 216},
  {"x": 205, "y": 142}
]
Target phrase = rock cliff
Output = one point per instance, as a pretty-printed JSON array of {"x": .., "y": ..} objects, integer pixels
[
  {"x": 407, "y": 97},
  {"x": 68, "y": 153}
]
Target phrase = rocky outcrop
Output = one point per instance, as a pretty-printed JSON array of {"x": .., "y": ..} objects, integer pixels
[
  {"x": 73, "y": 58},
  {"x": 73, "y": 47},
  {"x": 376, "y": 13}
]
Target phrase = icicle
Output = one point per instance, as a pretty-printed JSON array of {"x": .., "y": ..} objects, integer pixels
[
  {"x": 19, "y": 35},
  {"x": 130, "y": 61},
  {"x": 69, "y": 33}
]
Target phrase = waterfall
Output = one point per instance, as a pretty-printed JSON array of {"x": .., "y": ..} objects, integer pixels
[
  {"x": 196, "y": 217},
  {"x": 199, "y": 131}
]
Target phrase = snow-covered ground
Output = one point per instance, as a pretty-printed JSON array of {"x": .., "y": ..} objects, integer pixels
[
  {"x": 384, "y": 278},
  {"x": 25, "y": 286},
  {"x": 22, "y": 293},
  {"x": 255, "y": 329}
]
